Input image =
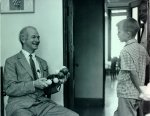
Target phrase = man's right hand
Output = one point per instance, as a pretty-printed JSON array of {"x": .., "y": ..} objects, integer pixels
[{"x": 40, "y": 83}]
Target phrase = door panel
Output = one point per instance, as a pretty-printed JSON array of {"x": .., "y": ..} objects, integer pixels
[
  {"x": 88, "y": 48},
  {"x": 84, "y": 50}
]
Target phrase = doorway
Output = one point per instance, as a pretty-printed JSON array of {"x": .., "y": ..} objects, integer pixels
[{"x": 84, "y": 53}]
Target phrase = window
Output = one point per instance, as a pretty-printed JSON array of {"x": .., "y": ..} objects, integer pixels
[
  {"x": 116, "y": 45},
  {"x": 113, "y": 45}
]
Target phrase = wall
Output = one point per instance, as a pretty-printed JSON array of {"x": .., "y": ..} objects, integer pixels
[
  {"x": 48, "y": 20},
  {"x": 89, "y": 46},
  {"x": 0, "y": 60}
]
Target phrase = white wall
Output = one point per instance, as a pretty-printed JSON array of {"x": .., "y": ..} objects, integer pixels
[{"x": 48, "y": 21}]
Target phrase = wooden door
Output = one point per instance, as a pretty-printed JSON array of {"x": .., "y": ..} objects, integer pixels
[{"x": 68, "y": 52}]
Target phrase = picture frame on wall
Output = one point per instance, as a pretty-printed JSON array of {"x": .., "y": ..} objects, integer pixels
[{"x": 17, "y": 6}]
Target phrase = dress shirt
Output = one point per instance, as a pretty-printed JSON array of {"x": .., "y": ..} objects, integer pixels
[{"x": 37, "y": 66}]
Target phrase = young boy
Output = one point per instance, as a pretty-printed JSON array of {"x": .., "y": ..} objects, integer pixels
[{"x": 132, "y": 73}]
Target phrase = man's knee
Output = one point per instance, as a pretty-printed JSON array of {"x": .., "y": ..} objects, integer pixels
[
  {"x": 22, "y": 112},
  {"x": 68, "y": 112},
  {"x": 72, "y": 113},
  {"x": 76, "y": 114}
]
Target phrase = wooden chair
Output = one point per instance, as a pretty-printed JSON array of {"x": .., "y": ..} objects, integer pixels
[{"x": 4, "y": 98}]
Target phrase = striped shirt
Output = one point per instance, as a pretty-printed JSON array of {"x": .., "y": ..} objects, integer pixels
[{"x": 133, "y": 57}]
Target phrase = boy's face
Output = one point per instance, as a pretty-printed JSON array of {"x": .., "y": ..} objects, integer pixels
[{"x": 122, "y": 35}]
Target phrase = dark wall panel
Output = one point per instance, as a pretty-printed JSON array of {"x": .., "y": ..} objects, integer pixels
[{"x": 88, "y": 34}]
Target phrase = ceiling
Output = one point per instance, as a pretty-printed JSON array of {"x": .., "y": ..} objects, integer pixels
[{"x": 111, "y": 4}]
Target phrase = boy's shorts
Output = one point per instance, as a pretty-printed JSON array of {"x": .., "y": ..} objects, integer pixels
[{"x": 127, "y": 107}]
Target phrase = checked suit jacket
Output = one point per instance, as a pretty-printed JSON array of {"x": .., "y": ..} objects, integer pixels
[{"x": 18, "y": 83}]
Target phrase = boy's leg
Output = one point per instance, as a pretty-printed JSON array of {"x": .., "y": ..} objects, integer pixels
[
  {"x": 127, "y": 107},
  {"x": 140, "y": 110}
]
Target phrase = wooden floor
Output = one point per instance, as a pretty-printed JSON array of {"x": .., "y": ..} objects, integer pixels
[{"x": 111, "y": 102}]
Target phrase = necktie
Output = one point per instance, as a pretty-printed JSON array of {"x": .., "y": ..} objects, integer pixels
[{"x": 33, "y": 67}]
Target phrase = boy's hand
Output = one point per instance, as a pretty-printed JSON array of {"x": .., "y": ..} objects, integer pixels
[
  {"x": 145, "y": 94},
  {"x": 144, "y": 97}
]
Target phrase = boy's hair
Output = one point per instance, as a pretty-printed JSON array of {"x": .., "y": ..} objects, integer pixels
[{"x": 129, "y": 25}]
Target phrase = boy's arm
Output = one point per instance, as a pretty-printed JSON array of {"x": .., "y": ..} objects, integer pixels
[
  {"x": 128, "y": 65},
  {"x": 135, "y": 81}
]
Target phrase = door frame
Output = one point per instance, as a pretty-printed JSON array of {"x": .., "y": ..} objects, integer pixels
[{"x": 68, "y": 54}]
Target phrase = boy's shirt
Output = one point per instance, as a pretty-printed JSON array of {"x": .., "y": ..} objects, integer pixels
[{"x": 133, "y": 57}]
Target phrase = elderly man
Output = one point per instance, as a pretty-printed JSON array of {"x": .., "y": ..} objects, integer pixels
[
  {"x": 143, "y": 19},
  {"x": 25, "y": 80}
]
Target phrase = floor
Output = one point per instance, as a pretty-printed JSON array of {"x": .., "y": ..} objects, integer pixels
[{"x": 111, "y": 102}]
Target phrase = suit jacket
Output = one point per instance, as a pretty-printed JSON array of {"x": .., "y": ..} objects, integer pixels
[{"x": 18, "y": 83}]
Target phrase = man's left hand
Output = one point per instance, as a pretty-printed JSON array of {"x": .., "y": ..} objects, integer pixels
[{"x": 62, "y": 81}]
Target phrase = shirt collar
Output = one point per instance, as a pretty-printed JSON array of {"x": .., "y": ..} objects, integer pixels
[
  {"x": 131, "y": 41},
  {"x": 27, "y": 53}
]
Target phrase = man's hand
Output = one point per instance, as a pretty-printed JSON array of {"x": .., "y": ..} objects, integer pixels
[
  {"x": 40, "y": 83},
  {"x": 62, "y": 81}
]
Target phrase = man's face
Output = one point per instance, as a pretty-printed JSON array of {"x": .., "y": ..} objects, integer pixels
[
  {"x": 31, "y": 40},
  {"x": 122, "y": 35},
  {"x": 143, "y": 12}
]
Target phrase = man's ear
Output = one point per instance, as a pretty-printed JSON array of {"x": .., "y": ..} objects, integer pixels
[{"x": 22, "y": 36}]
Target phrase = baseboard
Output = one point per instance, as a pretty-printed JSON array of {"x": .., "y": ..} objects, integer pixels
[{"x": 89, "y": 102}]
